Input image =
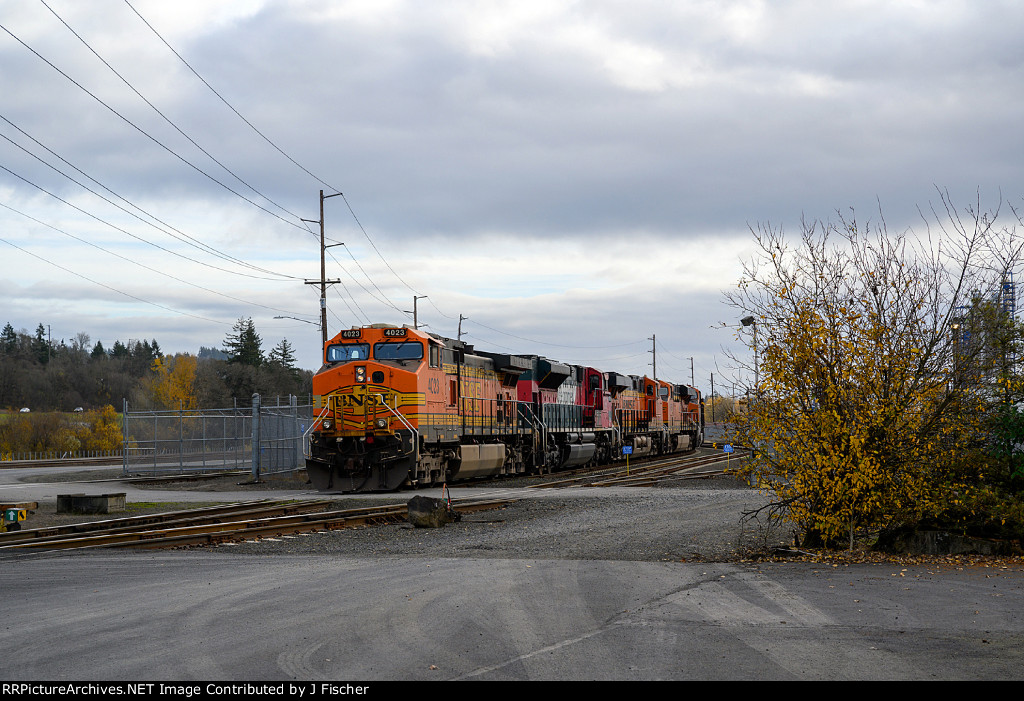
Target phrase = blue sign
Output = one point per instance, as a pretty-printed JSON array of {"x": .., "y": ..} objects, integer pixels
[
  {"x": 627, "y": 450},
  {"x": 728, "y": 448}
]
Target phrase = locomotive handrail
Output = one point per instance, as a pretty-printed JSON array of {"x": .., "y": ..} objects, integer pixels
[
  {"x": 535, "y": 422},
  {"x": 540, "y": 429},
  {"x": 306, "y": 450},
  {"x": 404, "y": 420}
]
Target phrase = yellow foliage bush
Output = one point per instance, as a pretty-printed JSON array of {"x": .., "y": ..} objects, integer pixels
[
  {"x": 859, "y": 417},
  {"x": 95, "y": 430}
]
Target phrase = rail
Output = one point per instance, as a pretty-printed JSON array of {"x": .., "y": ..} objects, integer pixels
[{"x": 235, "y": 523}]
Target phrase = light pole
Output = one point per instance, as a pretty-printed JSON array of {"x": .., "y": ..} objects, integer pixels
[{"x": 751, "y": 321}]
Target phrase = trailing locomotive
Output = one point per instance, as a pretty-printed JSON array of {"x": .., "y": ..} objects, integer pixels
[{"x": 400, "y": 406}]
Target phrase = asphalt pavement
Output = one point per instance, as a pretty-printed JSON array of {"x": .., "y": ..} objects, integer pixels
[
  {"x": 537, "y": 613},
  {"x": 199, "y": 616}
]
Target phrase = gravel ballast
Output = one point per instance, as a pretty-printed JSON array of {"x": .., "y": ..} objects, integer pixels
[
  {"x": 695, "y": 520},
  {"x": 672, "y": 524}
]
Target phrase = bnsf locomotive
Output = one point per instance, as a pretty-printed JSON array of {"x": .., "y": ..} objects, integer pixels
[{"x": 400, "y": 406}]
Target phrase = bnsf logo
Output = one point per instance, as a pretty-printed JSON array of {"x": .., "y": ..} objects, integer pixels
[{"x": 348, "y": 401}]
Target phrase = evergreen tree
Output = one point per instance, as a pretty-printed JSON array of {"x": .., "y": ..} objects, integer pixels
[
  {"x": 283, "y": 354},
  {"x": 8, "y": 340},
  {"x": 41, "y": 346},
  {"x": 244, "y": 345},
  {"x": 98, "y": 351},
  {"x": 142, "y": 355}
]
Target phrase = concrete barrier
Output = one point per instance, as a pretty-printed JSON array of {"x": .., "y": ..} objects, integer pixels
[{"x": 90, "y": 503}]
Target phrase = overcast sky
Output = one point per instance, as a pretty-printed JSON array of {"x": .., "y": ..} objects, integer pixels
[{"x": 573, "y": 177}]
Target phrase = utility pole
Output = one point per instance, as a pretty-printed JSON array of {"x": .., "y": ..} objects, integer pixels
[
  {"x": 323, "y": 281},
  {"x": 712, "y": 398},
  {"x": 460, "y": 325},
  {"x": 415, "y": 314},
  {"x": 692, "y": 381},
  {"x": 654, "y": 355}
]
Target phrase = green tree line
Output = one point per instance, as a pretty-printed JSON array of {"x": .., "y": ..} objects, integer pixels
[{"x": 43, "y": 375}]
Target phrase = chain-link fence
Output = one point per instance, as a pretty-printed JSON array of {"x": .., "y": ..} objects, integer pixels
[{"x": 207, "y": 440}]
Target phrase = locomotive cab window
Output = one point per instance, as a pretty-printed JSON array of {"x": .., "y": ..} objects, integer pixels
[
  {"x": 344, "y": 352},
  {"x": 435, "y": 356},
  {"x": 410, "y": 350}
]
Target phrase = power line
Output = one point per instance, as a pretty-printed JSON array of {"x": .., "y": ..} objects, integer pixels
[
  {"x": 184, "y": 238},
  {"x": 112, "y": 289},
  {"x": 385, "y": 301},
  {"x": 228, "y": 104},
  {"x": 143, "y": 265},
  {"x": 292, "y": 160},
  {"x": 146, "y": 134},
  {"x": 162, "y": 115},
  {"x": 381, "y": 255},
  {"x": 125, "y": 231},
  {"x": 558, "y": 345}
]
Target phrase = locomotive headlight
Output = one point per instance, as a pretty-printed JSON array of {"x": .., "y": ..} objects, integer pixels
[
  {"x": 361, "y": 373},
  {"x": 382, "y": 423},
  {"x": 327, "y": 423}
]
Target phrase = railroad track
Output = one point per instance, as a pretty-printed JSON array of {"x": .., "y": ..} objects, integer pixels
[
  {"x": 214, "y": 525},
  {"x": 651, "y": 472},
  {"x": 257, "y": 519}
]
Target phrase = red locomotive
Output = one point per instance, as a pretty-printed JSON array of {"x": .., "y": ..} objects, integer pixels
[{"x": 405, "y": 407}]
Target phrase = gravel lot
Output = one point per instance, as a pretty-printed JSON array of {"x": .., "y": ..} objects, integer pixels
[
  {"x": 699, "y": 520},
  {"x": 670, "y": 524}
]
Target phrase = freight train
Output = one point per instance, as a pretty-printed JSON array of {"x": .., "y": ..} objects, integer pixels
[{"x": 401, "y": 407}]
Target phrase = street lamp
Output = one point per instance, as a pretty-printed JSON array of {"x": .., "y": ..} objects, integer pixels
[
  {"x": 751, "y": 321},
  {"x": 304, "y": 321}
]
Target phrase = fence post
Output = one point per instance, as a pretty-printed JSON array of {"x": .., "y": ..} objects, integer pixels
[
  {"x": 156, "y": 432},
  {"x": 181, "y": 438},
  {"x": 297, "y": 453},
  {"x": 256, "y": 437},
  {"x": 124, "y": 437}
]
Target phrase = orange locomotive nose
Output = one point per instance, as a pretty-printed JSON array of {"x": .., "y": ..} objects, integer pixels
[
  {"x": 373, "y": 376},
  {"x": 364, "y": 408}
]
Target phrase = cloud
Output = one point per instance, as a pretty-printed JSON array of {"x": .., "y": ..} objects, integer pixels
[{"x": 572, "y": 173}]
